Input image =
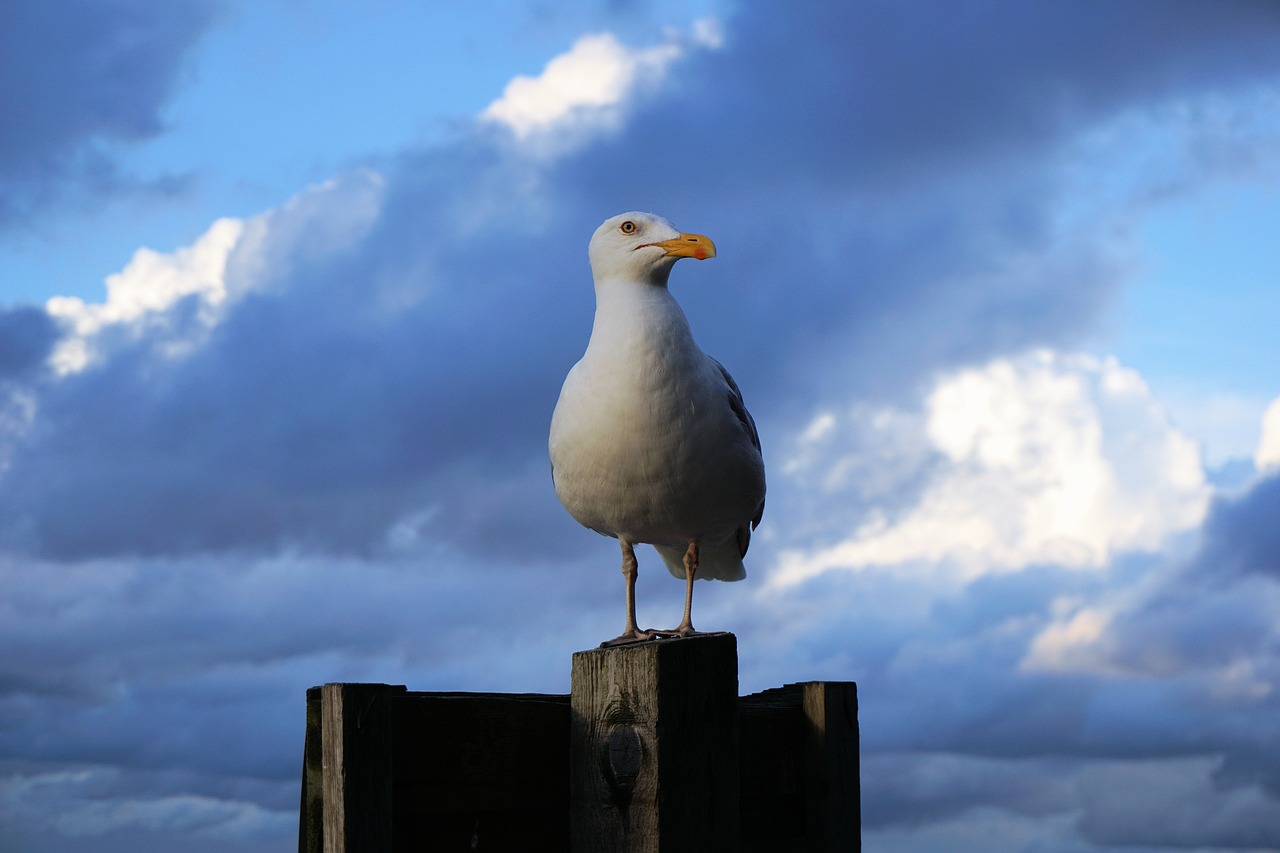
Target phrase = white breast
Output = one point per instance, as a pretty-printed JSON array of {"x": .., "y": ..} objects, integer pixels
[{"x": 644, "y": 443}]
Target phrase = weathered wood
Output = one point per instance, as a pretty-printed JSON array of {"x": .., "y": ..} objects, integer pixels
[
  {"x": 771, "y": 766},
  {"x": 833, "y": 813},
  {"x": 799, "y": 765},
  {"x": 476, "y": 771},
  {"x": 311, "y": 814},
  {"x": 654, "y": 747},
  {"x": 356, "y": 737}
]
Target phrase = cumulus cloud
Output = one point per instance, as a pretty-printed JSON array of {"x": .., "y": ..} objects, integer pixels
[
  {"x": 596, "y": 73},
  {"x": 147, "y": 287},
  {"x": 1049, "y": 458},
  {"x": 1205, "y": 614},
  {"x": 1192, "y": 643},
  {"x": 200, "y": 282}
]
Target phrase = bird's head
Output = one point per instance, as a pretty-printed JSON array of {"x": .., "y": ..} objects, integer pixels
[{"x": 642, "y": 247}]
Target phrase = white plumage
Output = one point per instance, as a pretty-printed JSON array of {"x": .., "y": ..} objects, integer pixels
[{"x": 650, "y": 440}]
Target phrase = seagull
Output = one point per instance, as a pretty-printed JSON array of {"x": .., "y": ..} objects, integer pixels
[{"x": 650, "y": 440}]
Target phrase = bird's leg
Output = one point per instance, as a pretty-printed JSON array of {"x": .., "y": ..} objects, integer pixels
[
  {"x": 685, "y": 629},
  {"x": 630, "y": 568}
]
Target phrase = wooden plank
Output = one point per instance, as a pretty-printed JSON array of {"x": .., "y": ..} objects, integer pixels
[
  {"x": 833, "y": 810},
  {"x": 799, "y": 762},
  {"x": 356, "y": 743},
  {"x": 654, "y": 747},
  {"x": 481, "y": 771},
  {"x": 311, "y": 813},
  {"x": 771, "y": 740}
]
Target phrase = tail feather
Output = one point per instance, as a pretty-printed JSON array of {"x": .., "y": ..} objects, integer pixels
[{"x": 719, "y": 561}]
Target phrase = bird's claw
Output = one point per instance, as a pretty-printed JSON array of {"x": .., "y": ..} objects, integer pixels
[
  {"x": 638, "y": 636},
  {"x": 628, "y": 637}
]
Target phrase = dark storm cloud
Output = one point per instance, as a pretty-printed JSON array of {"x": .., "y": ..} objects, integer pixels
[{"x": 75, "y": 74}]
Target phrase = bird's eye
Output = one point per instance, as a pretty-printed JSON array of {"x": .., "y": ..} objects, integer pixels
[{"x": 627, "y": 227}]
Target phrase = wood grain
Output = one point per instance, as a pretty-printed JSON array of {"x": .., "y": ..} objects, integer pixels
[{"x": 654, "y": 746}]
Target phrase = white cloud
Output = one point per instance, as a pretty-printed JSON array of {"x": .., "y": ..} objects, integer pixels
[
  {"x": 596, "y": 74},
  {"x": 1216, "y": 637},
  {"x": 1267, "y": 456},
  {"x": 1075, "y": 641},
  {"x": 231, "y": 258},
  {"x": 1045, "y": 458},
  {"x": 151, "y": 283}
]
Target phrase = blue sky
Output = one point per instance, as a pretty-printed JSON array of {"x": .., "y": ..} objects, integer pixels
[{"x": 287, "y": 291}]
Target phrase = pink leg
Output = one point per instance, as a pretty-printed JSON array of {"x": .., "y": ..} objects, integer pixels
[
  {"x": 685, "y": 628},
  {"x": 630, "y": 568}
]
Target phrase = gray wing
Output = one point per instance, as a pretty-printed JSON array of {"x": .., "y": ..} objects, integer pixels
[{"x": 739, "y": 407}]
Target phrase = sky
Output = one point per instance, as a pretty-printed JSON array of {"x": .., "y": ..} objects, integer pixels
[{"x": 288, "y": 289}]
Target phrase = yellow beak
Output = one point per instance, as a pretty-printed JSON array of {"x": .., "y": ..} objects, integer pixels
[{"x": 688, "y": 246}]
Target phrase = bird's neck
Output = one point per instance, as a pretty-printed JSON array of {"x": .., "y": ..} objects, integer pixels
[{"x": 629, "y": 314}]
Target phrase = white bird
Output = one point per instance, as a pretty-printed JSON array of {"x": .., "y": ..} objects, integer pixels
[{"x": 650, "y": 440}]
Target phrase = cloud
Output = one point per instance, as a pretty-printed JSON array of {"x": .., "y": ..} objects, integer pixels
[
  {"x": 106, "y": 809},
  {"x": 1174, "y": 804},
  {"x": 203, "y": 280},
  {"x": 1189, "y": 650},
  {"x": 1240, "y": 537},
  {"x": 1048, "y": 458},
  {"x": 325, "y": 406},
  {"x": 1267, "y": 456},
  {"x": 311, "y": 445},
  {"x": 147, "y": 288},
  {"x": 82, "y": 76},
  {"x": 26, "y": 337},
  {"x": 1204, "y": 612},
  {"x": 597, "y": 73}
]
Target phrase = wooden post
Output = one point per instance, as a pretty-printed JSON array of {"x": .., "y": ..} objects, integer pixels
[
  {"x": 833, "y": 813},
  {"x": 799, "y": 768},
  {"x": 356, "y": 740},
  {"x": 654, "y": 747}
]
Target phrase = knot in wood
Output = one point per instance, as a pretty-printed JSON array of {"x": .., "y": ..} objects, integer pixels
[{"x": 621, "y": 758}]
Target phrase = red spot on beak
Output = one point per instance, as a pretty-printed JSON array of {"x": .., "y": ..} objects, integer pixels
[{"x": 700, "y": 253}]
